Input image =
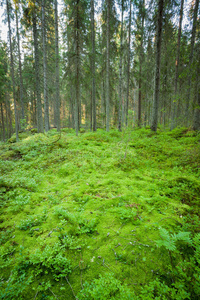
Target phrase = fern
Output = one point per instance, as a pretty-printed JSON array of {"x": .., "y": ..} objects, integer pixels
[{"x": 169, "y": 240}]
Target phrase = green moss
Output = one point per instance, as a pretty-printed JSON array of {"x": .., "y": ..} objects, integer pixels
[{"x": 101, "y": 198}]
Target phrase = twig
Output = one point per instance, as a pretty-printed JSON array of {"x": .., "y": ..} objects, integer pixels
[
  {"x": 81, "y": 278},
  {"x": 35, "y": 295},
  {"x": 49, "y": 234},
  {"x": 71, "y": 288},
  {"x": 53, "y": 293},
  {"x": 114, "y": 252}
]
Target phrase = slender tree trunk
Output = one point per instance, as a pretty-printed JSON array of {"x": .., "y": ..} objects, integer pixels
[
  {"x": 9, "y": 115},
  {"x": 3, "y": 123},
  {"x": 20, "y": 66},
  {"x": 157, "y": 71},
  {"x": 7, "y": 120},
  {"x": 77, "y": 51},
  {"x": 191, "y": 61},
  {"x": 196, "y": 121},
  {"x": 120, "y": 68},
  {"x": 173, "y": 122},
  {"x": 94, "y": 122},
  {"x": 46, "y": 102},
  {"x": 108, "y": 68},
  {"x": 12, "y": 69},
  {"x": 142, "y": 7},
  {"x": 37, "y": 76},
  {"x": 57, "y": 69},
  {"x": 128, "y": 66}
]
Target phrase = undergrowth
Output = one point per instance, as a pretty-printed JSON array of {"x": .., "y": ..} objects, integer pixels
[{"x": 100, "y": 216}]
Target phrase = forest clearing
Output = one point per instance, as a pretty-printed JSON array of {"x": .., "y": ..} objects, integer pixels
[{"x": 106, "y": 215}]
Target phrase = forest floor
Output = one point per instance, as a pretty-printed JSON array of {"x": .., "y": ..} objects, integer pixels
[{"x": 100, "y": 216}]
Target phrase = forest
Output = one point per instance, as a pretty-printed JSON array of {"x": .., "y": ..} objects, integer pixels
[{"x": 100, "y": 149}]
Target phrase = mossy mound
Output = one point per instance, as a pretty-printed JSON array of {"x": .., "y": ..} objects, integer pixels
[{"x": 99, "y": 216}]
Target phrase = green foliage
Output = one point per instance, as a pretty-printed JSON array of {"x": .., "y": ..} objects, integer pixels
[
  {"x": 76, "y": 207},
  {"x": 105, "y": 288},
  {"x": 169, "y": 240},
  {"x": 32, "y": 221}
]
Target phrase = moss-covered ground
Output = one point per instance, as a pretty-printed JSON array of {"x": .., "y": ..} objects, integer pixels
[{"x": 111, "y": 204}]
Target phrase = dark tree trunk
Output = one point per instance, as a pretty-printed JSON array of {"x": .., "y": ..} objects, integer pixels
[
  {"x": 128, "y": 66},
  {"x": 37, "y": 76},
  {"x": 46, "y": 102},
  {"x": 3, "y": 123},
  {"x": 157, "y": 71},
  {"x": 57, "y": 106},
  {"x": 12, "y": 69},
  {"x": 191, "y": 60},
  {"x": 94, "y": 122},
  {"x": 108, "y": 68},
  {"x": 173, "y": 122}
]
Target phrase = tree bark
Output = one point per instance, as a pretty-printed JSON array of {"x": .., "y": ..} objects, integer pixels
[
  {"x": 12, "y": 69},
  {"x": 37, "y": 75},
  {"x": 196, "y": 121},
  {"x": 120, "y": 68},
  {"x": 108, "y": 68},
  {"x": 46, "y": 102},
  {"x": 94, "y": 122},
  {"x": 57, "y": 69},
  {"x": 173, "y": 122},
  {"x": 3, "y": 123},
  {"x": 20, "y": 66},
  {"x": 142, "y": 7},
  {"x": 157, "y": 71},
  {"x": 128, "y": 66},
  {"x": 191, "y": 61},
  {"x": 77, "y": 59}
]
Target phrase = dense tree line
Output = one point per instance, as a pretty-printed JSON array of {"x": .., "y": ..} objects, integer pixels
[{"x": 99, "y": 64}]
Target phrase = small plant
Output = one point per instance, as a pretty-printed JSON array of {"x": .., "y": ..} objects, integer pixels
[
  {"x": 105, "y": 288},
  {"x": 32, "y": 221}
]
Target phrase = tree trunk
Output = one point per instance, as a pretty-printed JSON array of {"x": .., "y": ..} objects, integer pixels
[
  {"x": 37, "y": 76},
  {"x": 12, "y": 69},
  {"x": 196, "y": 121},
  {"x": 142, "y": 7},
  {"x": 191, "y": 60},
  {"x": 77, "y": 51},
  {"x": 94, "y": 122},
  {"x": 46, "y": 102},
  {"x": 120, "y": 69},
  {"x": 173, "y": 122},
  {"x": 128, "y": 65},
  {"x": 57, "y": 70},
  {"x": 108, "y": 68},
  {"x": 20, "y": 66},
  {"x": 157, "y": 71},
  {"x": 3, "y": 123}
]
